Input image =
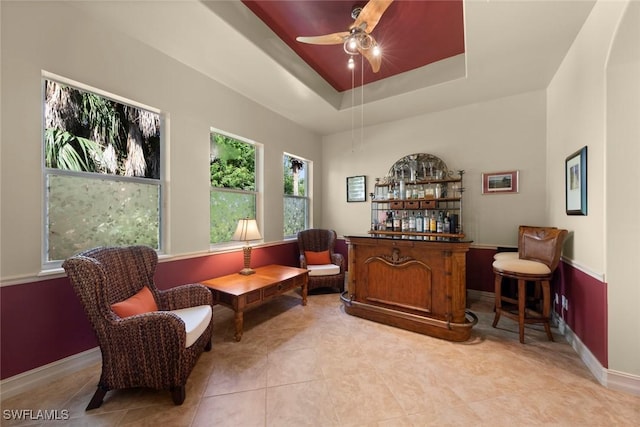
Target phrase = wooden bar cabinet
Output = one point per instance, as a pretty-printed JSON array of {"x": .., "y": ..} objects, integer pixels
[{"x": 412, "y": 282}]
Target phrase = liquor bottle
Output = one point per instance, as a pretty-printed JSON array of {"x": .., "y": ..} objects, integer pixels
[
  {"x": 397, "y": 222},
  {"x": 389, "y": 221},
  {"x": 419, "y": 223},
  {"x": 427, "y": 221},
  {"x": 447, "y": 224},
  {"x": 412, "y": 222},
  {"x": 440, "y": 223},
  {"x": 455, "y": 223},
  {"x": 433, "y": 224}
]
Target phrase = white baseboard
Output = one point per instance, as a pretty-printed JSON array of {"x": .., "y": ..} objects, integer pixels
[
  {"x": 621, "y": 381},
  {"x": 614, "y": 380},
  {"x": 44, "y": 375}
]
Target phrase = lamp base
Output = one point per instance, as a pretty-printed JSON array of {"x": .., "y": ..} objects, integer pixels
[{"x": 246, "y": 271}]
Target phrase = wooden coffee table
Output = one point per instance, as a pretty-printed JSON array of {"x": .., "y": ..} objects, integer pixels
[{"x": 241, "y": 293}]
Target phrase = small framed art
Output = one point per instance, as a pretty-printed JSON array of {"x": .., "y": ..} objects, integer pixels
[
  {"x": 357, "y": 188},
  {"x": 576, "y": 182},
  {"x": 500, "y": 182}
]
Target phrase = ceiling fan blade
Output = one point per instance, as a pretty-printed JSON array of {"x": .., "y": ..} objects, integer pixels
[
  {"x": 374, "y": 60},
  {"x": 335, "y": 38},
  {"x": 371, "y": 14}
]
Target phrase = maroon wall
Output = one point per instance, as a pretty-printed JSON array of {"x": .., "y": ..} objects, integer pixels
[
  {"x": 587, "y": 310},
  {"x": 42, "y": 322},
  {"x": 479, "y": 270}
]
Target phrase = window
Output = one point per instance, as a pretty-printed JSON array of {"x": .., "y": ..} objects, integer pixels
[
  {"x": 102, "y": 168},
  {"x": 296, "y": 195},
  {"x": 233, "y": 193}
]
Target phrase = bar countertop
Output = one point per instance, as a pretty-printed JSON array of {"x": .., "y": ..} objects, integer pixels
[{"x": 410, "y": 238}]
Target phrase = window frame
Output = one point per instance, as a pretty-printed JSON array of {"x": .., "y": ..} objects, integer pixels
[
  {"x": 257, "y": 192},
  {"x": 48, "y": 265},
  {"x": 308, "y": 164}
]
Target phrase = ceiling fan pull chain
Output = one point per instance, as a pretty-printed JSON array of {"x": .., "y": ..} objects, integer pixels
[
  {"x": 353, "y": 106},
  {"x": 362, "y": 102}
]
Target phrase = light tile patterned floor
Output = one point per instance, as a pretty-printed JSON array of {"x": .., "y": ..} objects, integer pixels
[{"x": 317, "y": 365}]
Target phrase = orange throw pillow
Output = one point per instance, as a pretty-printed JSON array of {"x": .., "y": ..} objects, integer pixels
[
  {"x": 317, "y": 258},
  {"x": 142, "y": 302}
]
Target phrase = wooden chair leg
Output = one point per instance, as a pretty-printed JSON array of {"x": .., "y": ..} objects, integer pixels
[
  {"x": 546, "y": 307},
  {"x": 178, "y": 394},
  {"x": 522, "y": 296},
  {"x": 97, "y": 398},
  {"x": 498, "y": 299}
]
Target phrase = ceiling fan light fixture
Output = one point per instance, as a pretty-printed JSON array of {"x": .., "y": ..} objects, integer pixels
[
  {"x": 351, "y": 46},
  {"x": 365, "y": 41},
  {"x": 357, "y": 40}
]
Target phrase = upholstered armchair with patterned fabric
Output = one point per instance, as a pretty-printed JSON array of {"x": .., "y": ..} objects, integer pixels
[
  {"x": 148, "y": 337},
  {"x": 326, "y": 268}
]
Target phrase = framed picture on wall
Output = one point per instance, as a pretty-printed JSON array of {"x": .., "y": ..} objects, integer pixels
[
  {"x": 576, "y": 182},
  {"x": 500, "y": 182},
  {"x": 357, "y": 188}
]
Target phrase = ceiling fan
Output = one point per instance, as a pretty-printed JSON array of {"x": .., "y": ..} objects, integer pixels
[{"x": 358, "y": 39}]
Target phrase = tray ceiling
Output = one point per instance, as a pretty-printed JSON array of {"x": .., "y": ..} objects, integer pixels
[{"x": 412, "y": 34}]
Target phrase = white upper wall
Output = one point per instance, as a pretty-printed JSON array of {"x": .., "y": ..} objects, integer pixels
[
  {"x": 594, "y": 100},
  {"x": 500, "y": 135},
  {"x": 623, "y": 192},
  {"x": 58, "y": 38},
  {"x": 575, "y": 118}
]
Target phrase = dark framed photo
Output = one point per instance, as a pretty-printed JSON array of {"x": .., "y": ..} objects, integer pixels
[
  {"x": 357, "y": 188},
  {"x": 500, "y": 182},
  {"x": 576, "y": 182}
]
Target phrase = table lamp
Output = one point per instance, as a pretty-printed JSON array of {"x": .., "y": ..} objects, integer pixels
[{"x": 247, "y": 230}]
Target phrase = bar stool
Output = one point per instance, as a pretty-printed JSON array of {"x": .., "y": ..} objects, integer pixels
[
  {"x": 506, "y": 255},
  {"x": 539, "y": 250},
  {"x": 509, "y": 286}
]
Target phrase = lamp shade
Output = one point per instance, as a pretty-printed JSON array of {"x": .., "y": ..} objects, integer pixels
[{"x": 247, "y": 230}]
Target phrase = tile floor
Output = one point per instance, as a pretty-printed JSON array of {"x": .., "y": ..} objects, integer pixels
[{"x": 317, "y": 365}]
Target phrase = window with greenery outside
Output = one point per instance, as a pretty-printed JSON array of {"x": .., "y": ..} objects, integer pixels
[
  {"x": 102, "y": 172},
  {"x": 233, "y": 185},
  {"x": 296, "y": 200}
]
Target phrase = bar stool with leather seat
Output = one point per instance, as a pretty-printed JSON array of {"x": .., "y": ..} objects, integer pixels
[
  {"x": 509, "y": 286},
  {"x": 539, "y": 250}
]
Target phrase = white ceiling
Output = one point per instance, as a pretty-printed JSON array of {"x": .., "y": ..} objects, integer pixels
[{"x": 512, "y": 46}]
